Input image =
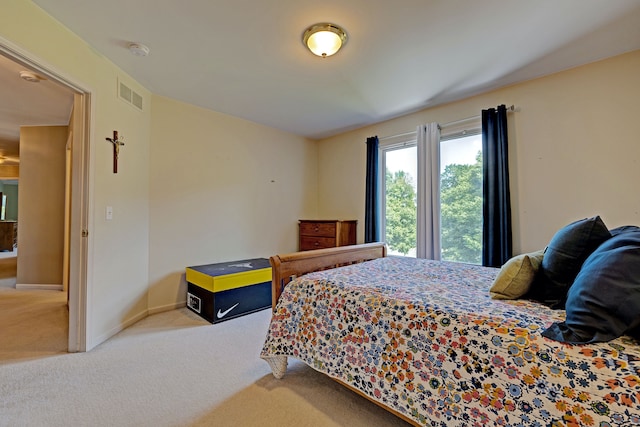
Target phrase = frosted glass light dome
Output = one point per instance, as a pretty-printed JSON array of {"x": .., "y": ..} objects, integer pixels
[{"x": 324, "y": 39}]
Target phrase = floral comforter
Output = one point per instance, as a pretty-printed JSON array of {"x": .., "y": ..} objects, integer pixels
[{"x": 425, "y": 339}]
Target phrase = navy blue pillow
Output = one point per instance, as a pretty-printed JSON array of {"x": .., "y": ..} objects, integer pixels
[
  {"x": 604, "y": 301},
  {"x": 567, "y": 250},
  {"x": 623, "y": 229}
]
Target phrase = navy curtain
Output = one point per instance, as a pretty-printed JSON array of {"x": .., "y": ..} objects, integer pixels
[
  {"x": 371, "y": 232},
  {"x": 496, "y": 205}
]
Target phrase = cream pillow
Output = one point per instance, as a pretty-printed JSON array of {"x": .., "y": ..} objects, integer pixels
[{"x": 516, "y": 276}]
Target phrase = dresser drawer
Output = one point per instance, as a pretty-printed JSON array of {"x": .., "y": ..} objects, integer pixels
[
  {"x": 320, "y": 229},
  {"x": 321, "y": 234},
  {"x": 311, "y": 242}
]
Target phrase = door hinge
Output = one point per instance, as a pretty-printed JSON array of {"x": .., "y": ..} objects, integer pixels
[{"x": 85, "y": 233}]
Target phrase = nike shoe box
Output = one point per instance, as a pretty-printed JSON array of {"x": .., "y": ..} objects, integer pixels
[{"x": 219, "y": 292}]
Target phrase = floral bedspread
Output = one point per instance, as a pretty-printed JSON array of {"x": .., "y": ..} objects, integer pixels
[{"x": 425, "y": 339}]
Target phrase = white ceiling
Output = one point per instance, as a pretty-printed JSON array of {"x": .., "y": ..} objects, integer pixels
[
  {"x": 246, "y": 58},
  {"x": 24, "y": 103}
]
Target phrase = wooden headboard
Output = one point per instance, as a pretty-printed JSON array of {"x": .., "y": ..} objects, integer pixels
[{"x": 286, "y": 267}]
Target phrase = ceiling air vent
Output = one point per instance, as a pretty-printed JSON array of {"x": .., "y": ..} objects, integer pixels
[{"x": 129, "y": 96}]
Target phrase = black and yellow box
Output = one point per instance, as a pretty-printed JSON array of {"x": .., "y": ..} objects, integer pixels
[{"x": 223, "y": 291}]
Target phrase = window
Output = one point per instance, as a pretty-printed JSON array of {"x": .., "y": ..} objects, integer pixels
[
  {"x": 460, "y": 194},
  {"x": 399, "y": 206},
  {"x": 461, "y": 199}
]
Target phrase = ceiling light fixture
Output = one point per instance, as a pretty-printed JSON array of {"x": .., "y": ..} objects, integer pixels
[
  {"x": 138, "y": 49},
  {"x": 324, "y": 39}
]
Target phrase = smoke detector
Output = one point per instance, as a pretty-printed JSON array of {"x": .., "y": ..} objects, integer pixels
[
  {"x": 138, "y": 49},
  {"x": 30, "y": 76}
]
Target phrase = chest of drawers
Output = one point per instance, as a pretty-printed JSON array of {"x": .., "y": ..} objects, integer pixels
[
  {"x": 319, "y": 234},
  {"x": 8, "y": 235}
]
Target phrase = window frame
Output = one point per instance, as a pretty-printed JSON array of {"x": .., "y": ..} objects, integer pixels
[
  {"x": 448, "y": 132},
  {"x": 406, "y": 140},
  {"x": 470, "y": 127}
]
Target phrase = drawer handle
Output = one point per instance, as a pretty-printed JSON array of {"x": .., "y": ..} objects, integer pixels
[
  {"x": 316, "y": 229},
  {"x": 316, "y": 243}
]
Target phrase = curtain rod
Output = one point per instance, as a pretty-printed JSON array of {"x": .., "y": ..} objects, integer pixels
[
  {"x": 510, "y": 109},
  {"x": 400, "y": 135}
]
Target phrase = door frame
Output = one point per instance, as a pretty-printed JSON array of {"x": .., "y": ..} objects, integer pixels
[{"x": 79, "y": 248}]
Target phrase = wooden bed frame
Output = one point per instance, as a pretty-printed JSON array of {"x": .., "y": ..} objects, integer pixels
[{"x": 285, "y": 268}]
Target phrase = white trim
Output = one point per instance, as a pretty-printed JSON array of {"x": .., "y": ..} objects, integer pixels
[
  {"x": 22, "y": 57},
  {"x": 38, "y": 287},
  {"x": 391, "y": 143},
  {"x": 122, "y": 326},
  {"x": 399, "y": 141},
  {"x": 82, "y": 182},
  {"x": 138, "y": 317},
  {"x": 461, "y": 128},
  {"x": 81, "y": 212},
  {"x": 167, "y": 307}
]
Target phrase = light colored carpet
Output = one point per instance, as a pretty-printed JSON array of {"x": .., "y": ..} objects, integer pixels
[
  {"x": 32, "y": 324},
  {"x": 175, "y": 369}
]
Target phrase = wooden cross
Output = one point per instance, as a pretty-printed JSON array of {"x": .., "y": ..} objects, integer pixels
[{"x": 116, "y": 149}]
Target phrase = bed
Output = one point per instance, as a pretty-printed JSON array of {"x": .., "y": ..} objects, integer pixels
[{"x": 425, "y": 340}]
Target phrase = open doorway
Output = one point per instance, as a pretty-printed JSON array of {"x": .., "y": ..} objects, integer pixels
[
  {"x": 74, "y": 259},
  {"x": 8, "y": 232}
]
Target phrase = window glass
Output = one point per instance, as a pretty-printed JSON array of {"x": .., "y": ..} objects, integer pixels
[
  {"x": 461, "y": 199},
  {"x": 400, "y": 210}
]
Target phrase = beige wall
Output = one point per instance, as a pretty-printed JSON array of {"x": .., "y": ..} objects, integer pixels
[
  {"x": 119, "y": 249},
  {"x": 210, "y": 186},
  {"x": 195, "y": 186},
  {"x": 574, "y": 150},
  {"x": 222, "y": 189},
  {"x": 41, "y": 205}
]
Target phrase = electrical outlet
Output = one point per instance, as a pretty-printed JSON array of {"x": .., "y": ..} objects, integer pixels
[{"x": 109, "y": 213}]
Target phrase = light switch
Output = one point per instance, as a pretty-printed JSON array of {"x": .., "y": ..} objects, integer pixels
[{"x": 109, "y": 213}]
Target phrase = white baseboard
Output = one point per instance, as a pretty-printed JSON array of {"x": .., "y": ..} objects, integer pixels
[
  {"x": 38, "y": 287},
  {"x": 104, "y": 337},
  {"x": 167, "y": 307},
  {"x": 124, "y": 325}
]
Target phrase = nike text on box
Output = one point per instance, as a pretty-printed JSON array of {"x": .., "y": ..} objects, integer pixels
[{"x": 223, "y": 291}]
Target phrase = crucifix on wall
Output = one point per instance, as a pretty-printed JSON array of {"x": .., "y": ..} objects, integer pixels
[{"x": 116, "y": 149}]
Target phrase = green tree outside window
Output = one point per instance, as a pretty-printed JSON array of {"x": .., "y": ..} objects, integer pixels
[
  {"x": 401, "y": 214},
  {"x": 461, "y": 212},
  {"x": 460, "y": 206}
]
